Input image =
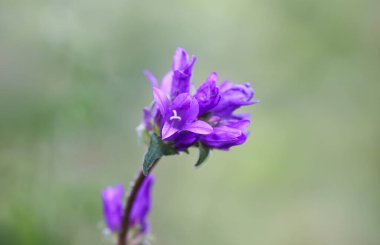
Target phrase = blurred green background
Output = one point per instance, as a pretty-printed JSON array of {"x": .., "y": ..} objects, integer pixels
[{"x": 72, "y": 90}]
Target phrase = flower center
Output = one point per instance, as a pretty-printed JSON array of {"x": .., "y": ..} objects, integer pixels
[{"x": 175, "y": 116}]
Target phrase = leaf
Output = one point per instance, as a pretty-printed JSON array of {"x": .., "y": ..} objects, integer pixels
[
  {"x": 157, "y": 149},
  {"x": 204, "y": 151}
]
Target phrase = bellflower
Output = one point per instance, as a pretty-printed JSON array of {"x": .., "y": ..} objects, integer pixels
[
  {"x": 177, "y": 119},
  {"x": 182, "y": 71},
  {"x": 142, "y": 206},
  {"x": 207, "y": 117},
  {"x": 208, "y": 95},
  {"x": 113, "y": 207},
  {"x": 179, "y": 115},
  {"x": 229, "y": 129},
  {"x": 226, "y": 134},
  {"x": 233, "y": 97}
]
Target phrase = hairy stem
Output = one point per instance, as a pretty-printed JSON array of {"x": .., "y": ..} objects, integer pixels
[{"x": 123, "y": 234}]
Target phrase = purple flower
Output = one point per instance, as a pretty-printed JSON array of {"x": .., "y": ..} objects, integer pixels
[
  {"x": 207, "y": 94},
  {"x": 179, "y": 115},
  {"x": 208, "y": 116},
  {"x": 175, "y": 82},
  {"x": 182, "y": 70},
  {"x": 142, "y": 206},
  {"x": 233, "y": 97},
  {"x": 227, "y": 134},
  {"x": 228, "y": 129},
  {"x": 113, "y": 206}
]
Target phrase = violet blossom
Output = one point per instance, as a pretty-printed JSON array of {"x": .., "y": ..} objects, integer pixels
[
  {"x": 142, "y": 206},
  {"x": 176, "y": 120},
  {"x": 229, "y": 129},
  {"x": 180, "y": 115},
  {"x": 208, "y": 117},
  {"x": 208, "y": 95},
  {"x": 113, "y": 207}
]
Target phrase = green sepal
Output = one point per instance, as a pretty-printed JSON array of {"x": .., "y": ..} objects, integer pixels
[
  {"x": 157, "y": 149},
  {"x": 204, "y": 151}
]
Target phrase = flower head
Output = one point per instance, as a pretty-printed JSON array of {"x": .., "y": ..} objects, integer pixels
[
  {"x": 207, "y": 117},
  {"x": 113, "y": 207}
]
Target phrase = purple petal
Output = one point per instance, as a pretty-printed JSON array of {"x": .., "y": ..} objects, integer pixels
[
  {"x": 143, "y": 205},
  {"x": 147, "y": 119},
  {"x": 151, "y": 78},
  {"x": 113, "y": 206},
  {"x": 207, "y": 94},
  {"x": 189, "y": 67},
  {"x": 232, "y": 97},
  {"x": 161, "y": 100},
  {"x": 181, "y": 100},
  {"x": 168, "y": 130},
  {"x": 192, "y": 112},
  {"x": 242, "y": 116},
  {"x": 198, "y": 127},
  {"x": 239, "y": 124},
  {"x": 180, "y": 59},
  {"x": 224, "y": 137},
  {"x": 181, "y": 83},
  {"x": 182, "y": 71},
  {"x": 213, "y": 77},
  {"x": 225, "y": 86},
  {"x": 184, "y": 140},
  {"x": 166, "y": 83}
]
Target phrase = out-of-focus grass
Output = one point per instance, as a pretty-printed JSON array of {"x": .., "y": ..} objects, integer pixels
[{"x": 71, "y": 95}]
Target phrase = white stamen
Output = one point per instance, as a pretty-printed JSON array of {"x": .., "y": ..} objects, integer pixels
[{"x": 175, "y": 116}]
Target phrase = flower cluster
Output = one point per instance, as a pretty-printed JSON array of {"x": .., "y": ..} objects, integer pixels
[
  {"x": 113, "y": 207},
  {"x": 183, "y": 119},
  {"x": 177, "y": 120}
]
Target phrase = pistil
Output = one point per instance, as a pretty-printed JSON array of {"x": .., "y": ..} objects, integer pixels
[{"x": 175, "y": 116}]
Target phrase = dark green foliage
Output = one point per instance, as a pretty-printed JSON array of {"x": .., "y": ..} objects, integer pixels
[
  {"x": 204, "y": 151},
  {"x": 157, "y": 149}
]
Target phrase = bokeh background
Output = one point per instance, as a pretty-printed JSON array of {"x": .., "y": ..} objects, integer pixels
[{"x": 71, "y": 95}]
